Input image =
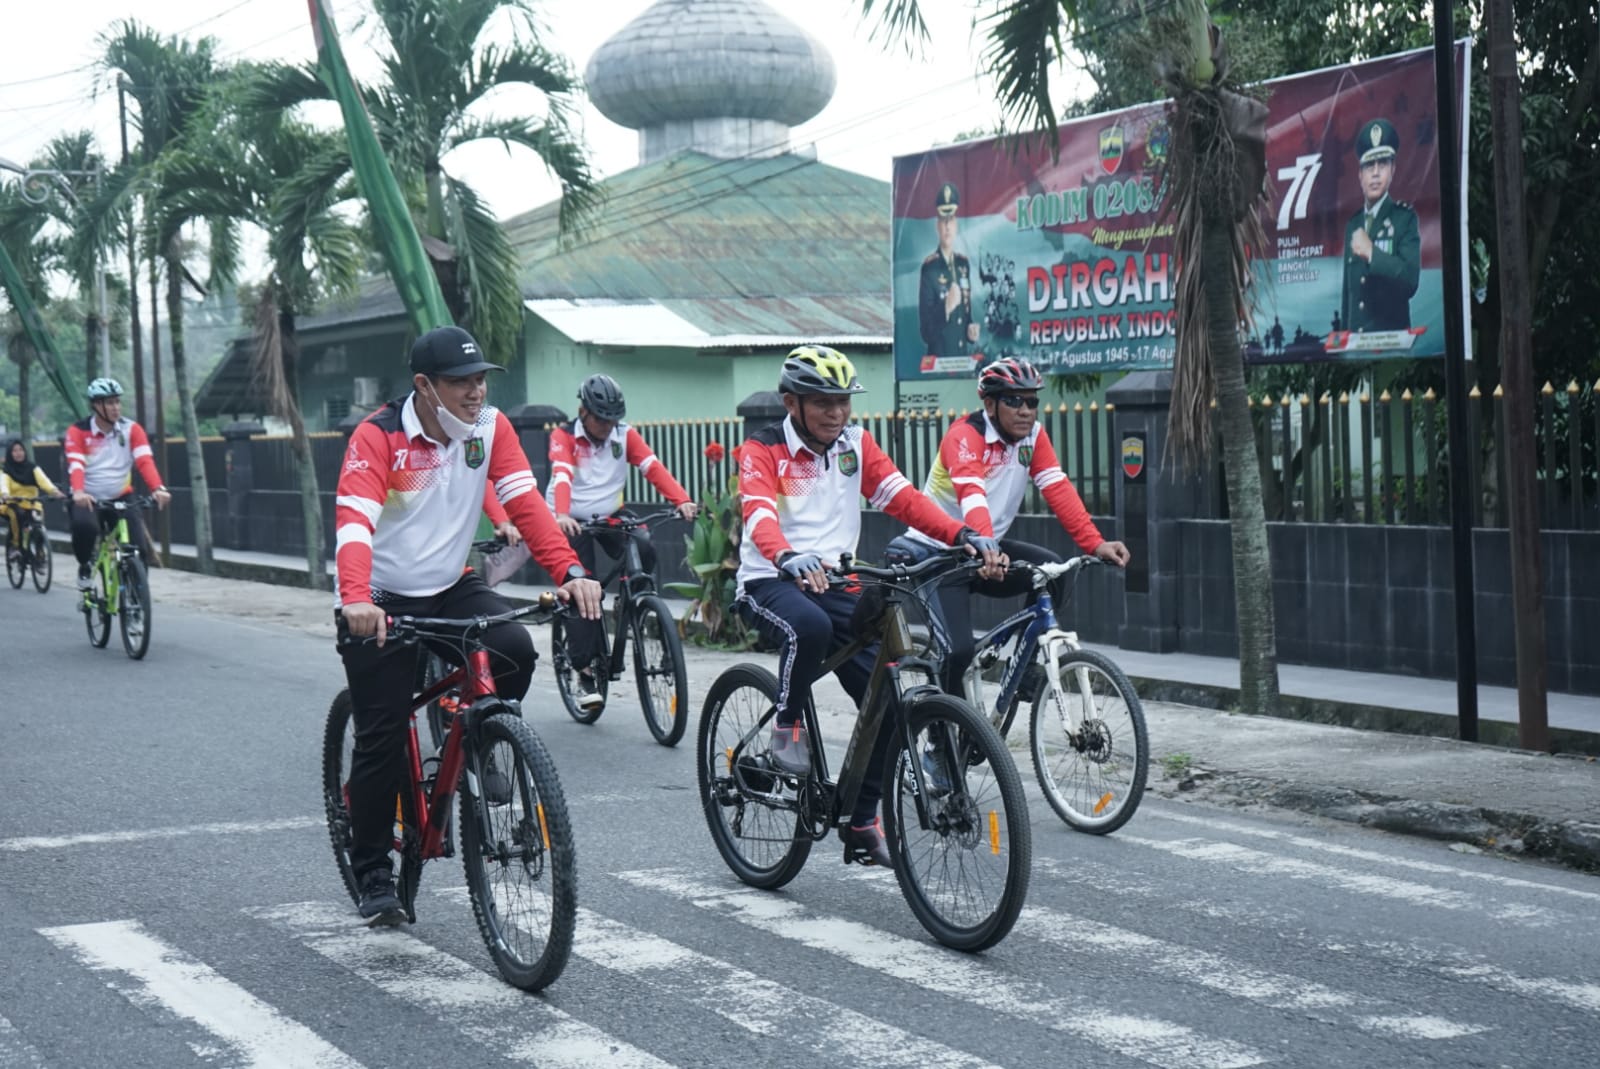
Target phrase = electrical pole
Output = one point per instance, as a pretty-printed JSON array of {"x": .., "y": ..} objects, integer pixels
[
  {"x": 1516, "y": 375},
  {"x": 133, "y": 273}
]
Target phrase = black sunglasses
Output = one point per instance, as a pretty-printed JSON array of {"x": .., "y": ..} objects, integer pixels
[{"x": 1019, "y": 400}]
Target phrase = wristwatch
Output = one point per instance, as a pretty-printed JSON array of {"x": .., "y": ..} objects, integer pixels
[{"x": 577, "y": 571}]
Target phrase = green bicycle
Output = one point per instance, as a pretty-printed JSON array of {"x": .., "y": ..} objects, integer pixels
[{"x": 121, "y": 586}]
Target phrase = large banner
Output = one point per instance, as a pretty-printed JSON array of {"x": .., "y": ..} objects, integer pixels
[{"x": 1068, "y": 264}]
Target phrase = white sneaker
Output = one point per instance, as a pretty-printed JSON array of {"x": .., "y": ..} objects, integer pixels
[{"x": 85, "y": 582}]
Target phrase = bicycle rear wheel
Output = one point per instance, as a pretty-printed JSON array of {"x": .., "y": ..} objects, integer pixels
[
  {"x": 39, "y": 562},
  {"x": 658, "y": 668},
  {"x": 95, "y": 617},
  {"x": 338, "y": 743},
  {"x": 567, "y": 673},
  {"x": 963, "y": 852},
  {"x": 518, "y": 852},
  {"x": 134, "y": 610},
  {"x": 1093, "y": 778},
  {"x": 764, "y": 843}
]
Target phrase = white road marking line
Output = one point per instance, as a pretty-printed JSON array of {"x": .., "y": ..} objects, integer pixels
[
  {"x": 955, "y": 975},
  {"x": 1369, "y": 855},
  {"x": 1423, "y": 1027},
  {"x": 59, "y": 842},
  {"x": 255, "y": 1036},
  {"x": 16, "y": 1052},
  {"x": 478, "y": 1003},
  {"x": 792, "y": 1018}
]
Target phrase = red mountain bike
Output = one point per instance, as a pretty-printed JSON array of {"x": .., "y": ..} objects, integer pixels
[{"x": 517, "y": 847}]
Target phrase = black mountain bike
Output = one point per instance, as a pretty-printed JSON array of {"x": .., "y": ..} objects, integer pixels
[
  {"x": 658, "y": 665},
  {"x": 31, "y": 555},
  {"x": 954, "y": 813}
]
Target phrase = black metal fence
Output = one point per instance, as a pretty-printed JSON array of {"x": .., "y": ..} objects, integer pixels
[{"x": 1356, "y": 458}]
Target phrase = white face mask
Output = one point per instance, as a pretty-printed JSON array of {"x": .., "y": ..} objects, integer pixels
[{"x": 455, "y": 428}]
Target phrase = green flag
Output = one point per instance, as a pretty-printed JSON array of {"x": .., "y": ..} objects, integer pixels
[
  {"x": 397, "y": 235},
  {"x": 39, "y": 334}
]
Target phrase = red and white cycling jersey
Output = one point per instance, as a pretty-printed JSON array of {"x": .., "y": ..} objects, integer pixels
[
  {"x": 407, "y": 506},
  {"x": 980, "y": 478},
  {"x": 795, "y": 499},
  {"x": 587, "y": 477},
  {"x": 101, "y": 463}
]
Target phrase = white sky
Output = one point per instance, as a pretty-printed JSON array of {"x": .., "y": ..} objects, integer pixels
[{"x": 886, "y": 103}]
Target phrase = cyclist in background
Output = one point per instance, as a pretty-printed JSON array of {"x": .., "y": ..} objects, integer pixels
[
  {"x": 800, "y": 483},
  {"x": 102, "y": 452},
  {"x": 982, "y": 472},
  {"x": 589, "y": 463},
  {"x": 412, "y": 486},
  {"x": 21, "y": 481}
]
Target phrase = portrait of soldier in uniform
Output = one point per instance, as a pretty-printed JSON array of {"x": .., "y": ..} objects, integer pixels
[
  {"x": 944, "y": 303},
  {"x": 1382, "y": 243}
]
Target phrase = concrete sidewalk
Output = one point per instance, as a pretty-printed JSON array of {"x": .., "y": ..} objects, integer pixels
[{"x": 1398, "y": 777}]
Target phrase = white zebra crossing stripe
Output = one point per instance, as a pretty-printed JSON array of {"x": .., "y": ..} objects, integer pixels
[
  {"x": 478, "y": 1003},
  {"x": 958, "y": 976},
  {"x": 258, "y": 1037},
  {"x": 15, "y": 1053},
  {"x": 59, "y": 842},
  {"x": 788, "y": 1018}
]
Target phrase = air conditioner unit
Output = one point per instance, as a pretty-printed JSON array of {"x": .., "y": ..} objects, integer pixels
[{"x": 365, "y": 393}]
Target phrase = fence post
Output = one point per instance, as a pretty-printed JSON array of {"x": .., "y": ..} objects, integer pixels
[
  {"x": 1368, "y": 511},
  {"x": 1431, "y": 438},
  {"x": 533, "y": 424},
  {"x": 1575, "y": 452},
  {"x": 1386, "y": 461},
  {"x": 1548, "y": 411},
  {"x": 239, "y": 463},
  {"x": 760, "y": 409}
]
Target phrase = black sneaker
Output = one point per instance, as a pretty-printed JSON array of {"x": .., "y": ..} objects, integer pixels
[
  {"x": 791, "y": 748},
  {"x": 866, "y": 846},
  {"x": 589, "y": 696},
  {"x": 379, "y": 903}
]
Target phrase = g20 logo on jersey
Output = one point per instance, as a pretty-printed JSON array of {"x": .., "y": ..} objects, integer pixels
[
  {"x": 355, "y": 464},
  {"x": 474, "y": 452},
  {"x": 848, "y": 462}
]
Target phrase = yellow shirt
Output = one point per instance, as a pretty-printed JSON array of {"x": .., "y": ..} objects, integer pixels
[{"x": 9, "y": 487}]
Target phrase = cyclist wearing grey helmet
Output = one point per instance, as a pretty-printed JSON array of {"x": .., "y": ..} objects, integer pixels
[
  {"x": 589, "y": 462},
  {"x": 102, "y": 452}
]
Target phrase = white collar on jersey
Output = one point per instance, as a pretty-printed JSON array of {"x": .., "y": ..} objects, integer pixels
[
  {"x": 797, "y": 445},
  {"x": 411, "y": 423}
]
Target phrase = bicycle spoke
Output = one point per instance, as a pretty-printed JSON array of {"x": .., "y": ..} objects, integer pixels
[{"x": 1089, "y": 744}]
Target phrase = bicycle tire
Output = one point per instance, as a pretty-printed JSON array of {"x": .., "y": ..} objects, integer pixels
[
  {"x": 967, "y": 834},
  {"x": 1093, "y": 783},
  {"x": 659, "y": 670},
  {"x": 95, "y": 617},
  {"x": 16, "y": 573},
  {"x": 529, "y": 834},
  {"x": 134, "y": 612},
  {"x": 338, "y": 741},
  {"x": 41, "y": 561},
  {"x": 567, "y": 673},
  {"x": 735, "y": 705}
]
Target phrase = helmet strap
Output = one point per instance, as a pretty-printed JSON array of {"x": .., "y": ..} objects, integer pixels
[{"x": 994, "y": 419}]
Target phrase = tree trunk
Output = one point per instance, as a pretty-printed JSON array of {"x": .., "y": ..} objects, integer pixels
[
  {"x": 300, "y": 443},
  {"x": 1252, "y": 568},
  {"x": 91, "y": 347},
  {"x": 191, "y": 426},
  {"x": 25, "y": 427}
]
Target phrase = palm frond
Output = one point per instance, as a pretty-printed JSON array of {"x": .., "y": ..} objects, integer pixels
[
  {"x": 898, "y": 22},
  {"x": 487, "y": 271}
]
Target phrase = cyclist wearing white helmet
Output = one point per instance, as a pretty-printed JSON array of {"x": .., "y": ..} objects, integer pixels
[{"x": 102, "y": 452}]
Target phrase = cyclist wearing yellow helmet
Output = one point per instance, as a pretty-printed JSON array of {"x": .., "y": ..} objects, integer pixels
[{"x": 800, "y": 484}]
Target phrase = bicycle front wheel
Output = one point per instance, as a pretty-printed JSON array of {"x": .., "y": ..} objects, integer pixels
[
  {"x": 753, "y": 822},
  {"x": 518, "y": 852},
  {"x": 338, "y": 743},
  {"x": 16, "y": 572},
  {"x": 567, "y": 673},
  {"x": 963, "y": 849},
  {"x": 96, "y": 617},
  {"x": 658, "y": 668},
  {"x": 134, "y": 612},
  {"x": 40, "y": 560},
  {"x": 1090, "y": 747}
]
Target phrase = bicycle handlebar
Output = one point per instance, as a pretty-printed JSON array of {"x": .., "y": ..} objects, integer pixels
[
  {"x": 629, "y": 523},
  {"x": 123, "y": 504},
  {"x": 490, "y": 545},
  {"x": 953, "y": 558},
  {"x": 415, "y": 628},
  {"x": 1055, "y": 571}
]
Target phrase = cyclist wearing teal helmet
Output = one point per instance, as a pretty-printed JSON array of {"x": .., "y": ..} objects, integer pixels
[{"x": 102, "y": 453}]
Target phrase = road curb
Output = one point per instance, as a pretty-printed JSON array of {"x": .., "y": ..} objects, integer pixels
[
  {"x": 1573, "y": 843},
  {"x": 1359, "y": 715}
]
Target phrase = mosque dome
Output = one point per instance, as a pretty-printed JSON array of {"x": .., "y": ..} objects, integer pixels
[{"x": 724, "y": 77}]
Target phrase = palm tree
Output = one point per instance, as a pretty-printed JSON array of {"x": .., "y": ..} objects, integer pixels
[
  {"x": 168, "y": 80},
  {"x": 20, "y": 223},
  {"x": 440, "y": 60},
  {"x": 80, "y": 254},
  {"x": 266, "y": 170},
  {"x": 1218, "y": 164}
]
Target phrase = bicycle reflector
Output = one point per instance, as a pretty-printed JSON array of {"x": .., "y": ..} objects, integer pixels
[{"x": 994, "y": 832}]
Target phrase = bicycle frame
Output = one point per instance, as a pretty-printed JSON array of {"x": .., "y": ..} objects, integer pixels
[
  {"x": 431, "y": 802},
  {"x": 636, "y": 581},
  {"x": 1039, "y": 629},
  {"x": 114, "y": 547}
]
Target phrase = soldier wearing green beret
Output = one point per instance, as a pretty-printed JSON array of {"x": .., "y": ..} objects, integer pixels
[
  {"x": 944, "y": 302},
  {"x": 1382, "y": 243}
]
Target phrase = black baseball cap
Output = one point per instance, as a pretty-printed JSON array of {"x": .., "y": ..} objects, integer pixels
[{"x": 448, "y": 351}]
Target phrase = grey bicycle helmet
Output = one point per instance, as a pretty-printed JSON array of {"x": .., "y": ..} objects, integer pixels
[
  {"x": 817, "y": 369},
  {"x": 601, "y": 395},
  {"x": 103, "y": 389},
  {"x": 1009, "y": 375}
]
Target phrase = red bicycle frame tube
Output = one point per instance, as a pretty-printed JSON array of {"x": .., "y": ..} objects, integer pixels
[{"x": 476, "y": 681}]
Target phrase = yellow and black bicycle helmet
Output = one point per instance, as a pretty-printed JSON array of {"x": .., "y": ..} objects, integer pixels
[{"x": 817, "y": 369}]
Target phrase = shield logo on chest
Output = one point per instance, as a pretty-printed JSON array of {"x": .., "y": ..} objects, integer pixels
[
  {"x": 473, "y": 452},
  {"x": 847, "y": 462},
  {"x": 1025, "y": 455},
  {"x": 616, "y": 450}
]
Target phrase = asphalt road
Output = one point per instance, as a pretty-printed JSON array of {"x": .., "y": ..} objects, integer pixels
[{"x": 167, "y": 898}]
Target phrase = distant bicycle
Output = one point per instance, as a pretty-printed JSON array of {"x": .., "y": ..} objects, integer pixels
[
  {"x": 658, "y": 665},
  {"x": 516, "y": 838},
  {"x": 31, "y": 555},
  {"x": 120, "y": 584},
  {"x": 1091, "y": 751}
]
